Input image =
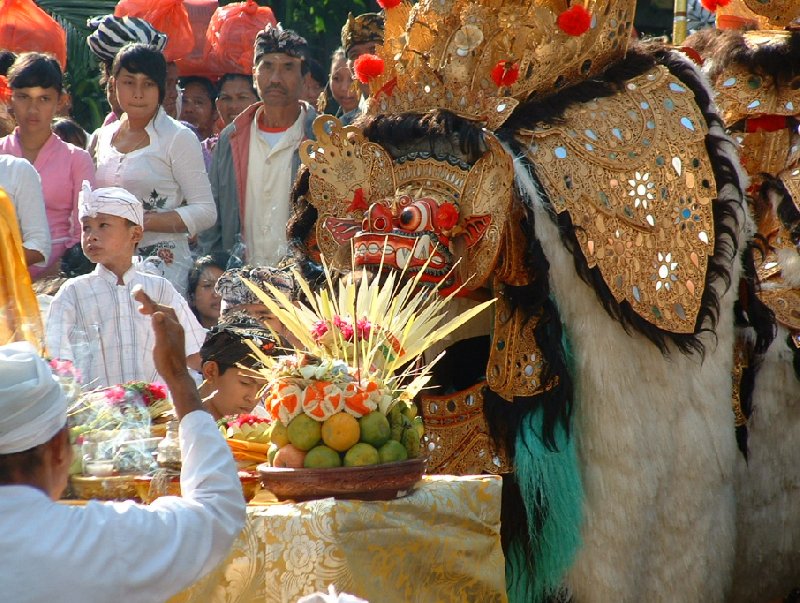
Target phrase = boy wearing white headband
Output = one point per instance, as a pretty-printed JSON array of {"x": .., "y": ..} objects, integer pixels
[{"x": 93, "y": 320}]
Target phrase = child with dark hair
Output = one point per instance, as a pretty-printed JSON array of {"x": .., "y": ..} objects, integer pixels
[
  {"x": 201, "y": 295},
  {"x": 157, "y": 159},
  {"x": 36, "y": 84},
  {"x": 7, "y": 59},
  {"x": 315, "y": 81},
  {"x": 230, "y": 381},
  {"x": 69, "y": 131},
  {"x": 197, "y": 106},
  {"x": 93, "y": 319}
]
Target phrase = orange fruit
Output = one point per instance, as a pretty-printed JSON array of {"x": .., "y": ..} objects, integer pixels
[
  {"x": 340, "y": 431},
  {"x": 279, "y": 434}
]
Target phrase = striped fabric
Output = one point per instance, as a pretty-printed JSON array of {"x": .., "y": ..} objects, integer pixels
[{"x": 112, "y": 33}]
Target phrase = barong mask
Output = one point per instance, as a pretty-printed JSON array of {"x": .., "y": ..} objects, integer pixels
[{"x": 419, "y": 212}]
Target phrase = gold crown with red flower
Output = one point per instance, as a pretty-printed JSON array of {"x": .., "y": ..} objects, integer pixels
[
  {"x": 479, "y": 59},
  {"x": 762, "y": 14}
]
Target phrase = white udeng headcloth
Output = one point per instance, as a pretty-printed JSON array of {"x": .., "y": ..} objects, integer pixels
[
  {"x": 32, "y": 406},
  {"x": 109, "y": 200}
]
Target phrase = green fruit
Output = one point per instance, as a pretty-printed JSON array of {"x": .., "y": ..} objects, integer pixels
[
  {"x": 279, "y": 434},
  {"x": 375, "y": 428},
  {"x": 411, "y": 441},
  {"x": 392, "y": 451},
  {"x": 396, "y": 422},
  {"x": 322, "y": 457},
  {"x": 272, "y": 451},
  {"x": 304, "y": 432},
  {"x": 361, "y": 455}
]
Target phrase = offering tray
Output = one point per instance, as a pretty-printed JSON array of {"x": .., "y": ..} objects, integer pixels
[
  {"x": 375, "y": 482},
  {"x": 111, "y": 487},
  {"x": 142, "y": 483}
]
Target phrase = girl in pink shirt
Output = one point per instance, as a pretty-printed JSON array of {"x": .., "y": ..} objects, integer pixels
[{"x": 36, "y": 85}]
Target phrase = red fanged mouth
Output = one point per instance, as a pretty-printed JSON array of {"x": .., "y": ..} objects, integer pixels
[{"x": 410, "y": 253}]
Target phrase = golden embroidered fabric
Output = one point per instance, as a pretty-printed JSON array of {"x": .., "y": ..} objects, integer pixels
[
  {"x": 441, "y": 543},
  {"x": 779, "y": 13},
  {"x": 739, "y": 365},
  {"x": 633, "y": 172},
  {"x": 457, "y": 428},
  {"x": 440, "y": 54},
  {"x": 342, "y": 163},
  {"x": 742, "y": 93},
  {"x": 744, "y": 16},
  {"x": 515, "y": 360}
]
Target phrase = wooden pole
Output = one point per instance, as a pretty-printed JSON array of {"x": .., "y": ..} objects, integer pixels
[{"x": 679, "y": 23}]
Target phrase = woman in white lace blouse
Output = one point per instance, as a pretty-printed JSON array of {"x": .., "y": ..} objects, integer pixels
[{"x": 157, "y": 159}]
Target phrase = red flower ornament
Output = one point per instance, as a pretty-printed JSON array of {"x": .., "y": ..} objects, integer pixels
[
  {"x": 367, "y": 67},
  {"x": 575, "y": 21},
  {"x": 5, "y": 90},
  {"x": 505, "y": 73},
  {"x": 446, "y": 216},
  {"x": 713, "y": 5}
]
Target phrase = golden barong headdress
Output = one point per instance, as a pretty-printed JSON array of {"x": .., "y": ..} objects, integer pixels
[
  {"x": 764, "y": 14},
  {"x": 480, "y": 59}
]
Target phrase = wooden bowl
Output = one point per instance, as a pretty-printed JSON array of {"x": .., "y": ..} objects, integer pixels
[
  {"x": 376, "y": 482},
  {"x": 113, "y": 487},
  {"x": 248, "y": 479}
]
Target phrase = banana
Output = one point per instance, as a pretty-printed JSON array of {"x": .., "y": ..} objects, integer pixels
[
  {"x": 417, "y": 421},
  {"x": 411, "y": 441},
  {"x": 410, "y": 410},
  {"x": 396, "y": 422}
]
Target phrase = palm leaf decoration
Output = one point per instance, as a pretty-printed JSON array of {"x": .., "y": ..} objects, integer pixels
[{"x": 377, "y": 328}]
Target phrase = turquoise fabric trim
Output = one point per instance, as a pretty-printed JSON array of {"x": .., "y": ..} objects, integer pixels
[{"x": 550, "y": 485}]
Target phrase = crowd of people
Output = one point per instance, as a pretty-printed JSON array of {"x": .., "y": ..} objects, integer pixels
[
  {"x": 140, "y": 239},
  {"x": 182, "y": 190}
]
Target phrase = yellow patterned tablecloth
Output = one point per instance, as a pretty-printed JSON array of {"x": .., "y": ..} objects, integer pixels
[{"x": 440, "y": 544}]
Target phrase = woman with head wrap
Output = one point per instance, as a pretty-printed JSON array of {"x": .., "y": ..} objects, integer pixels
[
  {"x": 158, "y": 160},
  {"x": 230, "y": 381}
]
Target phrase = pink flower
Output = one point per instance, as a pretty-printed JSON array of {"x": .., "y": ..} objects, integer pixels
[
  {"x": 319, "y": 329},
  {"x": 345, "y": 328},
  {"x": 363, "y": 326},
  {"x": 115, "y": 394},
  {"x": 247, "y": 420},
  {"x": 64, "y": 368}
]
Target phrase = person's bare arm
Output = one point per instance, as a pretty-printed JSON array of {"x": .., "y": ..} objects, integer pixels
[
  {"x": 32, "y": 256},
  {"x": 169, "y": 355}
]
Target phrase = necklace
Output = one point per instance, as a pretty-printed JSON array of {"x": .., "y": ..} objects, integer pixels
[{"x": 137, "y": 144}]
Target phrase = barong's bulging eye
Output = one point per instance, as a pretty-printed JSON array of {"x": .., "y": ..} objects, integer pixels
[
  {"x": 411, "y": 218},
  {"x": 416, "y": 217}
]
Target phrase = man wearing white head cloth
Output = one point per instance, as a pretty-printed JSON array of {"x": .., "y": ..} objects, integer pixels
[
  {"x": 107, "y": 551},
  {"x": 92, "y": 320}
]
